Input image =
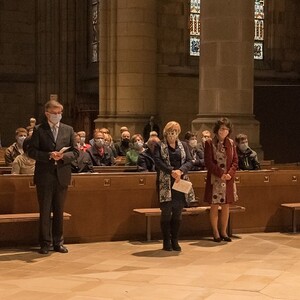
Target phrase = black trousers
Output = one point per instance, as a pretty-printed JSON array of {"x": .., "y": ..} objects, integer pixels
[
  {"x": 172, "y": 210},
  {"x": 51, "y": 198}
]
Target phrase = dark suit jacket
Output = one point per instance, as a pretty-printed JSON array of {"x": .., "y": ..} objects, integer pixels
[{"x": 42, "y": 143}]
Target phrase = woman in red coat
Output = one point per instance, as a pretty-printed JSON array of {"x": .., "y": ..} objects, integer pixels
[{"x": 221, "y": 162}]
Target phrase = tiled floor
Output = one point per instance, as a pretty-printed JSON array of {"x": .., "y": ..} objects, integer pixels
[{"x": 253, "y": 266}]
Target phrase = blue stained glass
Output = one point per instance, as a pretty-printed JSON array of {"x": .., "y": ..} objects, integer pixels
[
  {"x": 258, "y": 50},
  {"x": 194, "y": 46}
]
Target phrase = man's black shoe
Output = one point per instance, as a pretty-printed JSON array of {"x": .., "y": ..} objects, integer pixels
[
  {"x": 61, "y": 249},
  {"x": 44, "y": 250}
]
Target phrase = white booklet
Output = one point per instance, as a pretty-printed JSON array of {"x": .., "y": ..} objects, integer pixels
[
  {"x": 182, "y": 186},
  {"x": 63, "y": 149}
]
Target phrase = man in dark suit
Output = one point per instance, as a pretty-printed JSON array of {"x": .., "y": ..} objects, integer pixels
[{"x": 52, "y": 146}]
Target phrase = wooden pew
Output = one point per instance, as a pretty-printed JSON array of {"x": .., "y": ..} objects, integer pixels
[
  {"x": 190, "y": 211},
  {"x": 294, "y": 207},
  {"x": 25, "y": 217}
]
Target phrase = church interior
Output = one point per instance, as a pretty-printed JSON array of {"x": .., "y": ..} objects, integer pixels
[{"x": 114, "y": 63}]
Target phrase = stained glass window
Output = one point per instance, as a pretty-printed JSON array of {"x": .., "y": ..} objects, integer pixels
[
  {"x": 259, "y": 20},
  {"x": 195, "y": 27},
  {"x": 259, "y": 17},
  {"x": 94, "y": 36}
]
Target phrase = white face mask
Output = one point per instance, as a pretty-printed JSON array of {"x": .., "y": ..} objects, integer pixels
[
  {"x": 99, "y": 142},
  {"x": 243, "y": 147},
  {"x": 20, "y": 140},
  {"x": 138, "y": 145},
  {"x": 54, "y": 118},
  {"x": 193, "y": 143}
]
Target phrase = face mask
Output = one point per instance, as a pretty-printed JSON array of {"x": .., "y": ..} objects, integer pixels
[
  {"x": 54, "y": 118},
  {"x": 243, "y": 147},
  {"x": 193, "y": 143},
  {"x": 82, "y": 139},
  {"x": 172, "y": 136},
  {"x": 125, "y": 142},
  {"x": 99, "y": 143},
  {"x": 138, "y": 145},
  {"x": 20, "y": 140}
]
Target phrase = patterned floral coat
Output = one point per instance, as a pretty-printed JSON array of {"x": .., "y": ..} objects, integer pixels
[
  {"x": 162, "y": 162},
  {"x": 214, "y": 169}
]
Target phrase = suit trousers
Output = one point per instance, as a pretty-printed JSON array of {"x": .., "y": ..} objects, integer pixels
[{"x": 51, "y": 197}]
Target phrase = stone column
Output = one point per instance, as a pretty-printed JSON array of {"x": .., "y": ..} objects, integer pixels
[
  {"x": 127, "y": 85},
  {"x": 226, "y": 67}
]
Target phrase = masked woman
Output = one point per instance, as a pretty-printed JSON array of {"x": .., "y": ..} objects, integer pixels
[
  {"x": 221, "y": 162},
  {"x": 173, "y": 161}
]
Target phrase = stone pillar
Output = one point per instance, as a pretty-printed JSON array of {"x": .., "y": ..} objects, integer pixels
[
  {"x": 226, "y": 68},
  {"x": 127, "y": 85}
]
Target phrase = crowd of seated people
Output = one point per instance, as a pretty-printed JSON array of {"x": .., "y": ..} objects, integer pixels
[{"x": 125, "y": 150}]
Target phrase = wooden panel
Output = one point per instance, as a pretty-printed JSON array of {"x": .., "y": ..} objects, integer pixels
[{"x": 102, "y": 205}]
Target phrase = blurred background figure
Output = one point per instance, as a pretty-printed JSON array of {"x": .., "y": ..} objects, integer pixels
[
  {"x": 196, "y": 153},
  {"x": 83, "y": 145},
  {"x": 150, "y": 126},
  {"x": 23, "y": 164},
  {"x": 248, "y": 159},
  {"x": 83, "y": 163},
  {"x": 16, "y": 148},
  {"x": 136, "y": 147}
]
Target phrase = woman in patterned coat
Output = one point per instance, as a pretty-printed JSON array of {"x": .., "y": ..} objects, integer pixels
[
  {"x": 221, "y": 162},
  {"x": 173, "y": 161}
]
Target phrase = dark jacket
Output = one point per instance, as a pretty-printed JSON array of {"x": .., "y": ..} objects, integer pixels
[
  {"x": 83, "y": 164},
  {"x": 146, "y": 162},
  {"x": 248, "y": 160},
  {"x": 107, "y": 159},
  {"x": 42, "y": 143}
]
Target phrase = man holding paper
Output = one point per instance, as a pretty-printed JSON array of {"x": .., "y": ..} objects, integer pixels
[
  {"x": 173, "y": 161},
  {"x": 52, "y": 146}
]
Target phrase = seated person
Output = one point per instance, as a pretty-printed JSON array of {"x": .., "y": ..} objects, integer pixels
[
  {"x": 122, "y": 147},
  {"x": 16, "y": 148},
  {"x": 205, "y": 135},
  {"x": 247, "y": 157},
  {"x": 145, "y": 159},
  {"x": 23, "y": 164},
  {"x": 196, "y": 153},
  {"x": 83, "y": 145},
  {"x": 83, "y": 163},
  {"x": 99, "y": 153},
  {"x": 137, "y": 146},
  {"x": 110, "y": 143}
]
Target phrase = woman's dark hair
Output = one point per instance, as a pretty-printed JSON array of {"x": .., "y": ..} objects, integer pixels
[
  {"x": 188, "y": 135},
  {"x": 222, "y": 122}
]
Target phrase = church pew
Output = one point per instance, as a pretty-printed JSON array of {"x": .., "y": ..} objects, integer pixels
[{"x": 102, "y": 205}]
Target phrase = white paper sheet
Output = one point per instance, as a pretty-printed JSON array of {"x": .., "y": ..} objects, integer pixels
[
  {"x": 63, "y": 149},
  {"x": 182, "y": 186}
]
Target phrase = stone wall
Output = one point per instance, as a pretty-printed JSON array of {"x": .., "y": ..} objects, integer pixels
[{"x": 17, "y": 66}]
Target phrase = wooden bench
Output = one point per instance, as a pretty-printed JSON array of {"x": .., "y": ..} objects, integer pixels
[
  {"x": 294, "y": 207},
  {"x": 155, "y": 212},
  {"x": 25, "y": 217}
]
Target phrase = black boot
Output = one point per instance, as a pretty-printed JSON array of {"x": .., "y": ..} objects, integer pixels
[
  {"x": 165, "y": 229},
  {"x": 175, "y": 225}
]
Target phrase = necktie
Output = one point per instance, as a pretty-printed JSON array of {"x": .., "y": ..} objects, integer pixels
[{"x": 54, "y": 132}]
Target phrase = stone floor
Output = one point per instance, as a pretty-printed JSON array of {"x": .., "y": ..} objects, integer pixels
[{"x": 253, "y": 266}]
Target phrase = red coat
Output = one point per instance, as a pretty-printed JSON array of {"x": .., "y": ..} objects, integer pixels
[{"x": 213, "y": 168}]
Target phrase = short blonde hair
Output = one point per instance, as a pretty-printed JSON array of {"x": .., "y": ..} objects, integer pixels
[{"x": 171, "y": 126}]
